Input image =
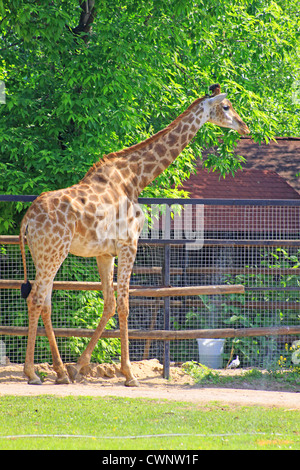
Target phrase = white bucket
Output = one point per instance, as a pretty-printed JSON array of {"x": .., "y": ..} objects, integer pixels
[
  {"x": 2, "y": 353},
  {"x": 210, "y": 352}
]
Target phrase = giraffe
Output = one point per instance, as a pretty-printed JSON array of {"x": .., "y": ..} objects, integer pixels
[{"x": 100, "y": 217}]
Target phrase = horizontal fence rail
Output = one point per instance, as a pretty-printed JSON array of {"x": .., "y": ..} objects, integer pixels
[
  {"x": 14, "y": 240},
  {"x": 137, "y": 291},
  {"x": 180, "y": 201},
  {"x": 240, "y": 283},
  {"x": 161, "y": 335}
]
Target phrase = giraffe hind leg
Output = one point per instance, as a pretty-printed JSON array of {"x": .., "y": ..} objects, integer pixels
[
  {"x": 39, "y": 304},
  {"x": 48, "y": 252},
  {"x": 34, "y": 311}
]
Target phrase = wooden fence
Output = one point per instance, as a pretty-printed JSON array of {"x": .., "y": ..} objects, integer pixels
[
  {"x": 164, "y": 294},
  {"x": 153, "y": 292}
]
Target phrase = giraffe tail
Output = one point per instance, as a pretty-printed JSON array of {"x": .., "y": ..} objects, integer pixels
[{"x": 26, "y": 286}]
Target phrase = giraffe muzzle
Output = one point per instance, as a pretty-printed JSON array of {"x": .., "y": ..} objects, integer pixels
[{"x": 243, "y": 129}]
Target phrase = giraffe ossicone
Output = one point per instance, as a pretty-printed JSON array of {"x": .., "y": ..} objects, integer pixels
[{"x": 100, "y": 217}]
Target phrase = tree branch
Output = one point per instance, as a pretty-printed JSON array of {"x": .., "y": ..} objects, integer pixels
[{"x": 86, "y": 18}]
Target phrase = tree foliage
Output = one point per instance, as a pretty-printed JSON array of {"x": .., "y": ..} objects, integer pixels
[{"x": 82, "y": 83}]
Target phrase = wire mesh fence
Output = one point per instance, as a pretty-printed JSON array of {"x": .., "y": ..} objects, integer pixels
[{"x": 183, "y": 243}]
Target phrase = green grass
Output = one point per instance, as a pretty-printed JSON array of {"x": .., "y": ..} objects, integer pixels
[
  {"x": 272, "y": 379},
  {"x": 116, "y": 423}
]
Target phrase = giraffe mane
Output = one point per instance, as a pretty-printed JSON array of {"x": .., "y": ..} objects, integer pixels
[{"x": 128, "y": 150}]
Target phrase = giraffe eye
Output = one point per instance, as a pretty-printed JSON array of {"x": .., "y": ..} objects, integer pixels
[{"x": 226, "y": 108}]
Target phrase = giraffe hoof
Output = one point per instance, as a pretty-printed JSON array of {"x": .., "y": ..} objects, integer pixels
[
  {"x": 132, "y": 383},
  {"x": 35, "y": 381},
  {"x": 72, "y": 372},
  {"x": 62, "y": 380}
]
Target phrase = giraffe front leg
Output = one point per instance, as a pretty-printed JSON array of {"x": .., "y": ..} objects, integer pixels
[
  {"x": 125, "y": 263},
  {"x": 123, "y": 311},
  {"x": 84, "y": 360}
]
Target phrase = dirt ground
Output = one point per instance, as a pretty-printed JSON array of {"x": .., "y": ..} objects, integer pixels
[{"x": 106, "y": 380}]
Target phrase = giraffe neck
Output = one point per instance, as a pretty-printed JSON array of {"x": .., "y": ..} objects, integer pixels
[
  {"x": 165, "y": 147},
  {"x": 134, "y": 168}
]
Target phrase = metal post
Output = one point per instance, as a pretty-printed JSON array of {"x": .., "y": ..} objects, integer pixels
[{"x": 167, "y": 252}]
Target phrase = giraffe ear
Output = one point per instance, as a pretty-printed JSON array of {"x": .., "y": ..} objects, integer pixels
[{"x": 217, "y": 99}]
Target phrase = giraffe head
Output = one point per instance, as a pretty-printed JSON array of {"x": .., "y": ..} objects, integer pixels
[{"x": 221, "y": 112}]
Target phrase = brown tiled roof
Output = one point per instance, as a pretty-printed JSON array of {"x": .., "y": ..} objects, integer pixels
[
  {"x": 246, "y": 184},
  {"x": 282, "y": 156},
  {"x": 270, "y": 172}
]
